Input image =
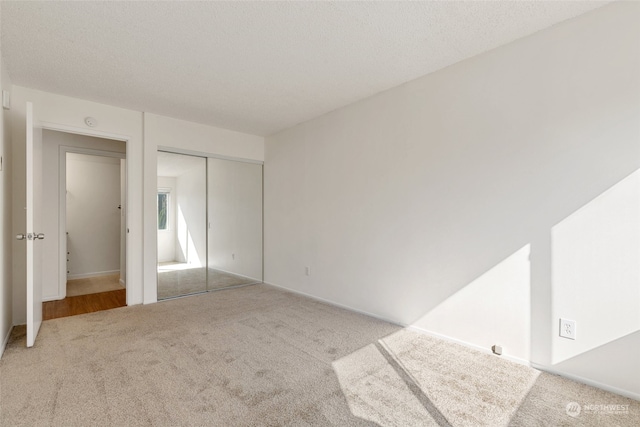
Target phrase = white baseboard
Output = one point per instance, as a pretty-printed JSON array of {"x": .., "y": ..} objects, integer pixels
[
  {"x": 404, "y": 325},
  {"x": 53, "y": 298},
  {"x": 577, "y": 378},
  {"x": 481, "y": 349},
  {"x": 95, "y": 274},
  {"x": 235, "y": 274},
  {"x": 335, "y": 304},
  {"x": 82, "y": 276},
  {"x": 518, "y": 360},
  {"x": 5, "y": 341}
]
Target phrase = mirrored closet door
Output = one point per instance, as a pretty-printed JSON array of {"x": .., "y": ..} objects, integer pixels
[
  {"x": 209, "y": 224},
  {"x": 182, "y": 219},
  {"x": 235, "y": 223}
]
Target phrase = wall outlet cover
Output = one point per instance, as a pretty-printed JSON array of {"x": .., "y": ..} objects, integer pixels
[{"x": 568, "y": 329}]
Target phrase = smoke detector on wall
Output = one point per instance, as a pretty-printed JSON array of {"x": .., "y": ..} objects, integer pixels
[{"x": 90, "y": 121}]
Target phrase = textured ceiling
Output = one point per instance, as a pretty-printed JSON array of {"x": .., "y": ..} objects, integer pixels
[{"x": 256, "y": 67}]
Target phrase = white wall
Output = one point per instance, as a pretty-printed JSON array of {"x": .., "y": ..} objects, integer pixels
[
  {"x": 93, "y": 217},
  {"x": 235, "y": 217},
  {"x": 6, "y": 236},
  {"x": 460, "y": 203},
  {"x": 181, "y": 136},
  {"x": 68, "y": 114},
  {"x": 167, "y": 238},
  {"x": 53, "y": 278}
]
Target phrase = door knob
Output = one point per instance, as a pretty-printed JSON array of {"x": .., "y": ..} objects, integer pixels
[{"x": 30, "y": 236}]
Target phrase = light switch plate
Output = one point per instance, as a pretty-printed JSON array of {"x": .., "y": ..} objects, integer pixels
[{"x": 6, "y": 99}]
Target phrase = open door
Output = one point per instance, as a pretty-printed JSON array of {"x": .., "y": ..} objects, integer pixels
[
  {"x": 123, "y": 222},
  {"x": 33, "y": 213}
]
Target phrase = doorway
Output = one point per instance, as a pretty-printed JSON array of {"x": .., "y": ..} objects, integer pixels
[
  {"x": 94, "y": 222},
  {"x": 90, "y": 235}
]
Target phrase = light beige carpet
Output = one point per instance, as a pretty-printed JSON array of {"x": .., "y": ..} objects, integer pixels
[
  {"x": 93, "y": 285},
  {"x": 185, "y": 281},
  {"x": 258, "y": 356}
]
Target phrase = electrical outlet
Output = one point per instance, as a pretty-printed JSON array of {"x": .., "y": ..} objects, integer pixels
[
  {"x": 568, "y": 329},
  {"x": 307, "y": 271}
]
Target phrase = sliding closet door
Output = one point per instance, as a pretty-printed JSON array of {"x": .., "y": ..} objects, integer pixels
[
  {"x": 182, "y": 225},
  {"x": 235, "y": 223}
]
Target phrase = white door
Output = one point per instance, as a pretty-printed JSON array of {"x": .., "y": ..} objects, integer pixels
[{"x": 33, "y": 212}]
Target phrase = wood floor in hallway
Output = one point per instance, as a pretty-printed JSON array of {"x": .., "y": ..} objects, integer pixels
[{"x": 82, "y": 304}]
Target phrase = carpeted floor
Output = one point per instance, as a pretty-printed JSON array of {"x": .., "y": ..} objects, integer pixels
[
  {"x": 259, "y": 356},
  {"x": 94, "y": 285}
]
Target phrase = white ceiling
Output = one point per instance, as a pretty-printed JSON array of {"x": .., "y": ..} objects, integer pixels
[{"x": 256, "y": 67}]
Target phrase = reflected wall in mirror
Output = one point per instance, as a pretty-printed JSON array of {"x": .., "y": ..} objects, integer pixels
[
  {"x": 182, "y": 224},
  {"x": 235, "y": 223},
  {"x": 209, "y": 224}
]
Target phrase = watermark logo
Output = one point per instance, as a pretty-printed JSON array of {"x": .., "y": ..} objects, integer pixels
[
  {"x": 608, "y": 408},
  {"x": 573, "y": 409}
]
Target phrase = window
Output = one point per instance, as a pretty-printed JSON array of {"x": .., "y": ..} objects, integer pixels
[{"x": 163, "y": 210}]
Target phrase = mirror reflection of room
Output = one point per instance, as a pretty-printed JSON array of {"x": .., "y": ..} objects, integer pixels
[
  {"x": 235, "y": 223},
  {"x": 182, "y": 234},
  {"x": 209, "y": 224}
]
